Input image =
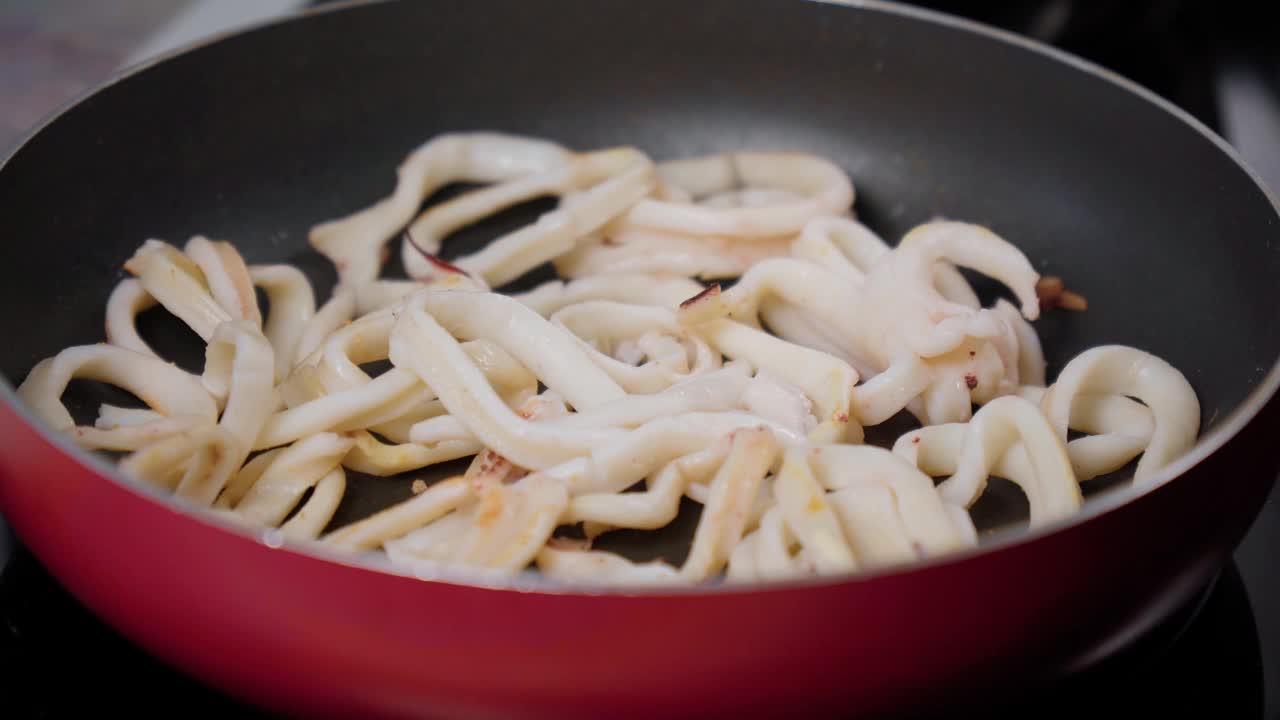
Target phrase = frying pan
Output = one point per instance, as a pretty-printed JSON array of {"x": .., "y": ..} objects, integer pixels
[{"x": 259, "y": 135}]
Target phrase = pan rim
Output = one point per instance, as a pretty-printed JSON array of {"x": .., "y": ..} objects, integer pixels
[{"x": 528, "y": 582}]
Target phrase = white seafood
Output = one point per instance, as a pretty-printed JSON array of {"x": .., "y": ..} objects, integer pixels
[
  {"x": 355, "y": 243},
  {"x": 226, "y": 276},
  {"x": 1009, "y": 438},
  {"x": 125, "y": 303},
  {"x": 634, "y": 289},
  {"x": 597, "y": 187},
  {"x": 586, "y": 567},
  {"x": 287, "y": 477},
  {"x": 170, "y": 391},
  {"x": 640, "y": 251},
  {"x": 643, "y": 348},
  {"x": 293, "y": 305},
  {"x": 176, "y": 282},
  {"x": 503, "y": 531},
  {"x": 893, "y": 316},
  {"x": 194, "y": 464},
  {"x": 608, "y": 399},
  {"x": 825, "y": 383},
  {"x": 239, "y": 368},
  {"x": 838, "y": 507},
  {"x": 814, "y": 186}
]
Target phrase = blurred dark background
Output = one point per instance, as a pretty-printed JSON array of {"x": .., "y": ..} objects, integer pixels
[{"x": 1175, "y": 47}]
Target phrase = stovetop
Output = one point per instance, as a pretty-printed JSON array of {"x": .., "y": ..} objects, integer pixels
[{"x": 1217, "y": 657}]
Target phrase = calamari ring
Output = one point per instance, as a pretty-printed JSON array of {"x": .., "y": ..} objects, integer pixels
[
  {"x": 1120, "y": 370},
  {"x": 825, "y": 188},
  {"x": 354, "y": 243},
  {"x": 610, "y": 182},
  {"x": 165, "y": 388},
  {"x": 177, "y": 283},
  {"x": 1010, "y": 438},
  {"x": 293, "y": 305}
]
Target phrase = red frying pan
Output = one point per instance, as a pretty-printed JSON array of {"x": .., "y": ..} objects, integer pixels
[{"x": 260, "y": 135}]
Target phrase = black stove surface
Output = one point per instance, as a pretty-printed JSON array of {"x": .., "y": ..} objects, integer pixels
[{"x": 1218, "y": 657}]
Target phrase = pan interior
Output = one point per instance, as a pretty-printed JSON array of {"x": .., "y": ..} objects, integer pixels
[{"x": 256, "y": 138}]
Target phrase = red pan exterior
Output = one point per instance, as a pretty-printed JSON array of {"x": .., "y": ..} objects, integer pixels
[{"x": 310, "y": 636}]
